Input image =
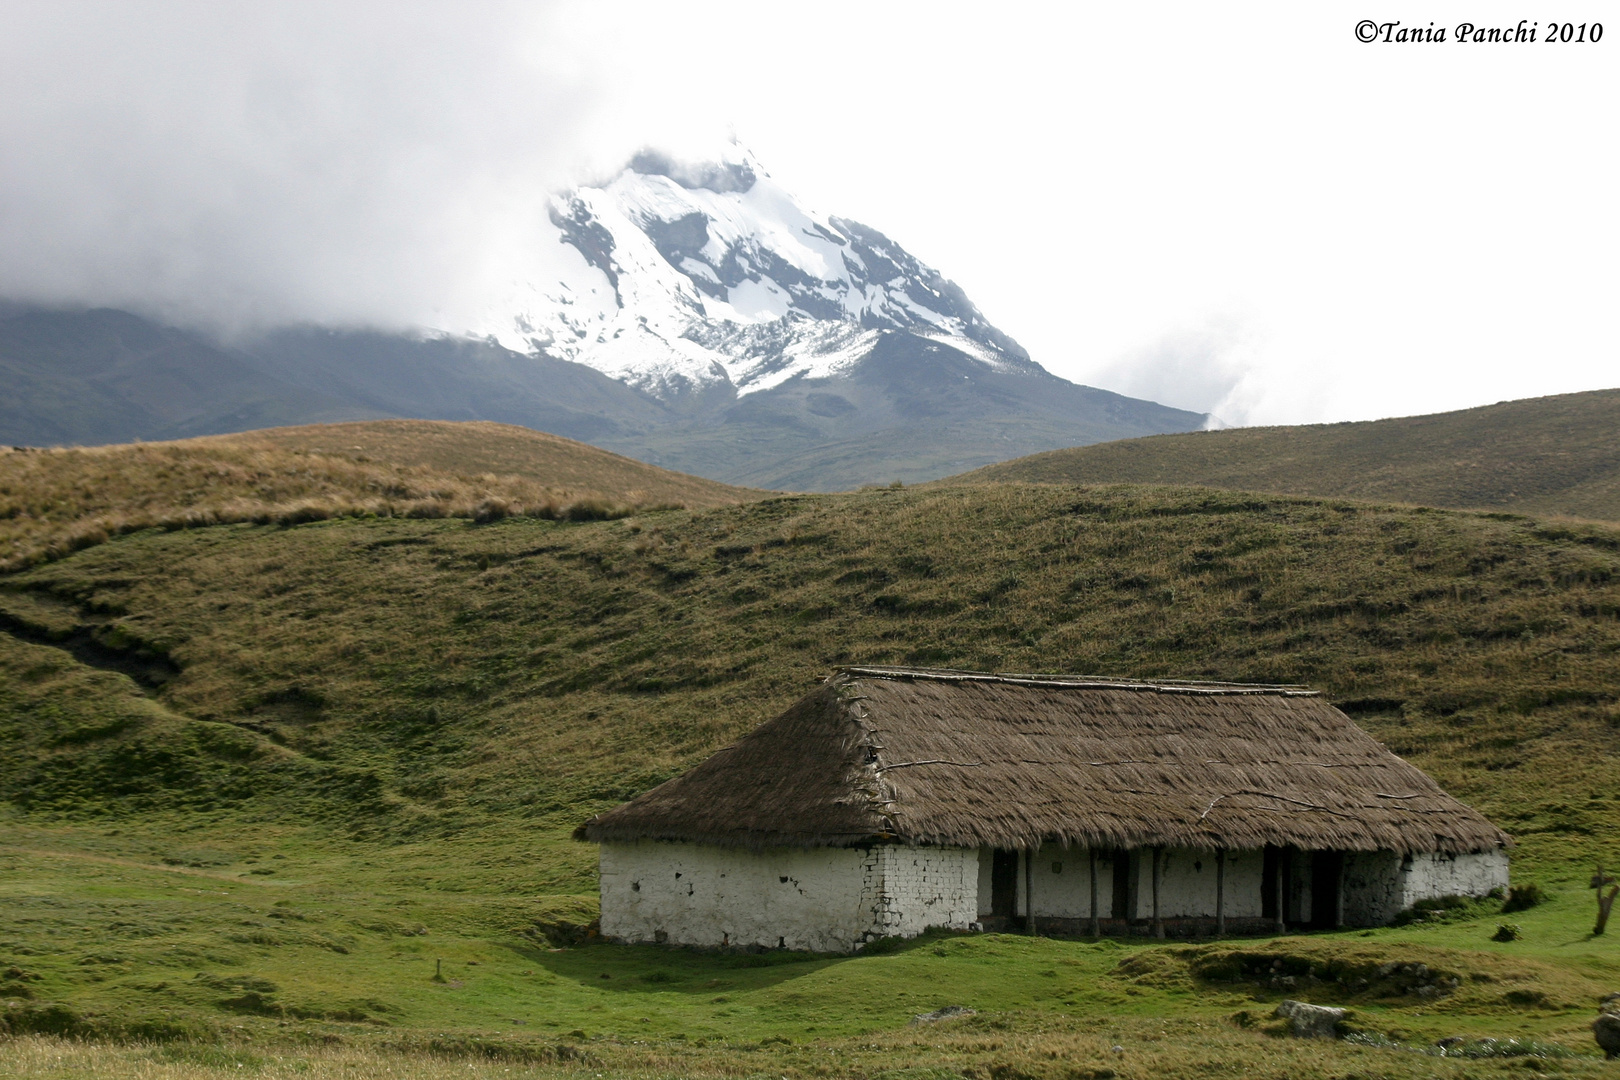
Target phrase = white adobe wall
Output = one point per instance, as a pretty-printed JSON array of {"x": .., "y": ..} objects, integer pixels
[
  {"x": 1378, "y": 884},
  {"x": 1062, "y": 883},
  {"x": 1435, "y": 874},
  {"x": 1187, "y": 884},
  {"x": 923, "y": 887},
  {"x": 820, "y": 899}
]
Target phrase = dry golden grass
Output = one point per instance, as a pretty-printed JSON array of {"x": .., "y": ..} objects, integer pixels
[
  {"x": 481, "y": 448},
  {"x": 988, "y": 1047},
  {"x": 1550, "y": 456},
  {"x": 56, "y": 501}
]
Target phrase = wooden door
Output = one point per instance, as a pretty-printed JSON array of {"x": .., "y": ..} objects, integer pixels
[
  {"x": 1327, "y": 868},
  {"x": 1004, "y": 883}
]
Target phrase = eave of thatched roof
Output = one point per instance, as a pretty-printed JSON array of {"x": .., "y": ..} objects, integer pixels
[{"x": 970, "y": 759}]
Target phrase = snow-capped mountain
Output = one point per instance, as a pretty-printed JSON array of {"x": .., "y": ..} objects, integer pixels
[
  {"x": 688, "y": 275},
  {"x": 704, "y": 320}
]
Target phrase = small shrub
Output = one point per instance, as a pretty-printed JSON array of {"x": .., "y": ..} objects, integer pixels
[
  {"x": 1527, "y": 998},
  {"x": 1436, "y": 909},
  {"x": 1523, "y": 898},
  {"x": 491, "y": 509},
  {"x": 1508, "y": 932},
  {"x": 594, "y": 510}
]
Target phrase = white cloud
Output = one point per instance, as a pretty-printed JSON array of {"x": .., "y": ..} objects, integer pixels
[
  {"x": 245, "y": 163},
  {"x": 1240, "y": 200}
]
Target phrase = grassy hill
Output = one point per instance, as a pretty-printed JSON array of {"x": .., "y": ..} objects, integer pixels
[
  {"x": 263, "y": 782},
  {"x": 1546, "y": 456},
  {"x": 58, "y": 500}
]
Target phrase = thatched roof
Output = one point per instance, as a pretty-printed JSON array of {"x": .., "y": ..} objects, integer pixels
[{"x": 969, "y": 759}]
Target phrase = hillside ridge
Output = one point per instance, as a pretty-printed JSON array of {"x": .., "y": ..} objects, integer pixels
[
  {"x": 54, "y": 501},
  {"x": 1555, "y": 455}
]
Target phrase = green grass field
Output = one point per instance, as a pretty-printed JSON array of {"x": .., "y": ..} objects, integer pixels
[{"x": 263, "y": 782}]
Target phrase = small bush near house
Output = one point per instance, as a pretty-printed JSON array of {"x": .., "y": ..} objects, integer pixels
[{"x": 1523, "y": 898}]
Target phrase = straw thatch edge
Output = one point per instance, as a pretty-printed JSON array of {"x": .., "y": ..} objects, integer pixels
[
  {"x": 753, "y": 796},
  {"x": 1077, "y": 682}
]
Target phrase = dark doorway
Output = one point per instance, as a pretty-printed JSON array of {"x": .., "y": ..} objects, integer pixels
[
  {"x": 1004, "y": 883},
  {"x": 1327, "y": 867},
  {"x": 1270, "y": 868},
  {"x": 1122, "y": 884}
]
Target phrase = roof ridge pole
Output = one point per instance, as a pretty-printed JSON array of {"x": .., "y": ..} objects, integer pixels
[
  {"x": 1158, "y": 923},
  {"x": 1220, "y": 892},
  {"x": 1096, "y": 926}
]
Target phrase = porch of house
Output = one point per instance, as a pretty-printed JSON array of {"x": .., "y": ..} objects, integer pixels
[{"x": 1186, "y": 892}]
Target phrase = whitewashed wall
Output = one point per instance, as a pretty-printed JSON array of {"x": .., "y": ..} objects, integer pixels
[
  {"x": 835, "y": 899},
  {"x": 1376, "y": 885},
  {"x": 1061, "y": 877},
  {"x": 820, "y": 899},
  {"x": 917, "y": 888},
  {"x": 1187, "y": 884},
  {"x": 1380, "y": 883}
]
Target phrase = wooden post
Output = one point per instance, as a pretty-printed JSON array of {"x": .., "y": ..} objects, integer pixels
[
  {"x": 1282, "y": 872},
  {"x": 1029, "y": 891},
  {"x": 1605, "y": 903},
  {"x": 1158, "y": 923},
  {"x": 1338, "y": 896},
  {"x": 1096, "y": 925},
  {"x": 1220, "y": 892}
]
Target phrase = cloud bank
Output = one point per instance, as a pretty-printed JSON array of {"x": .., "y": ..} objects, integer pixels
[
  {"x": 1244, "y": 211},
  {"x": 246, "y": 164}
]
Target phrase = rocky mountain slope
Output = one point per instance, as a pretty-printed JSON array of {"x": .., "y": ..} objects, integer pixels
[{"x": 686, "y": 276}]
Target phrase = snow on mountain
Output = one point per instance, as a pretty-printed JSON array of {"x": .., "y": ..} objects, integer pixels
[{"x": 685, "y": 275}]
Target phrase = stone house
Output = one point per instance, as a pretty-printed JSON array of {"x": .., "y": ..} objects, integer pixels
[{"x": 891, "y": 800}]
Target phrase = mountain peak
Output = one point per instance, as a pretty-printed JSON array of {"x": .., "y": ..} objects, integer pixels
[
  {"x": 692, "y": 273},
  {"x": 733, "y": 171}
]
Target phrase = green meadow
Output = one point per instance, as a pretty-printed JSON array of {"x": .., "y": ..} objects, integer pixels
[{"x": 297, "y": 798}]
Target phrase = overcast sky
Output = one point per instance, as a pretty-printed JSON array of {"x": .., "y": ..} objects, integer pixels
[{"x": 1237, "y": 208}]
